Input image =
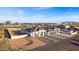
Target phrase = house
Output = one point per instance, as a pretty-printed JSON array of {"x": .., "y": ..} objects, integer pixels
[
  {"x": 67, "y": 26},
  {"x": 68, "y": 31},
  {"x": 7, "y": 35},
  {"x": 52, "y": 30},
  {"x": 34, "y": 32},
  {"x": 38, "y": 32},
  {"x": 42, "y": 32},
  {"x": 76, "y": 28}
]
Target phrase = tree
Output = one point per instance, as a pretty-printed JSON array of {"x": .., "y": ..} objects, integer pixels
[
  {"x": 7, "y": 22},
  {"x": 16, "y": 23}
]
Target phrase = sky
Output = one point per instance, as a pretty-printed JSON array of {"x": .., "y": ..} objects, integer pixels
[{"x": 39, "y": 14}]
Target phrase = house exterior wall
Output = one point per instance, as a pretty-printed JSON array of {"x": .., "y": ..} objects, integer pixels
[
  {"x": 67, "y": 26},
  {"x": 18, "y": 36},
  {"x": 69, "y": 33},
  {"x": 34, "y": 34},
  {"x": 52, "y": 32},
  {"x": 40, "y": 33},
  {"x": 73, "y": 33}
]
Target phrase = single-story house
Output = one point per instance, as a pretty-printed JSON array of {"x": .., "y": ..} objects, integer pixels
[
  {"x": 39, "y": 32},
  {"x": 7, "y": 35},
  {"x": 34, "y": 32},
  {"x": 52, "y": 30},
  {"x": 68, "y": 31}
]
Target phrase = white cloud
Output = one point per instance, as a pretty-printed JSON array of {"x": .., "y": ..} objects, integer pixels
[
  {"x": 19, "y": 12},
  {"x": 34, "y": 18},
  {"x": 39, "y": 18}
]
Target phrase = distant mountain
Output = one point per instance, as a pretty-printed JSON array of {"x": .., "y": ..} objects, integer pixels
[{"x": 70, "y": 22}]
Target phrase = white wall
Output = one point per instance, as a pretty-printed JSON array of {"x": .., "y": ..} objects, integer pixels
[
  {"x": 38, "y": 33},
  {"x": 42, "y": 32},
  {"x": 33, "y": 33},
  {"x": 73, "y": 33},
  {"x": 18, "y": 36},
  {"x": 67, "y": 26}
]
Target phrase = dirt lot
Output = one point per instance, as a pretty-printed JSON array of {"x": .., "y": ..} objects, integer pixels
[
  {"x": 36, "y": 43},
  {"x": 22, "y": 44},
  {"x": 42, "y": 44},
  {"x": 62, "y": 45}
]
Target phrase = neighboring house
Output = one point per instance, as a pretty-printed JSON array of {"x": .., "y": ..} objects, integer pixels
[
  {"x": 38, "y": 32},
  {"x": 52, "y": 30},
  {"x": 73, "y": 32},
  {"x": 34, "y": 32},
  {"x": 67, "y": 26},
  {"x": 42, "y": 32},
  {"x": 76, "y": 28},
  {"x": 7, "y": 35},
  {"x": 68, "y": 31}
]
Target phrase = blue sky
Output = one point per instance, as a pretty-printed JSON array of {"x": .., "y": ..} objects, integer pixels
[{"x": 39, "y": 14}]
